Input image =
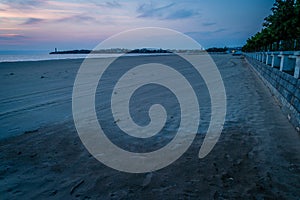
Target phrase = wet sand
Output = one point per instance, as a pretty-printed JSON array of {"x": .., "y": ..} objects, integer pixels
[{"x": 257, "y": 156}]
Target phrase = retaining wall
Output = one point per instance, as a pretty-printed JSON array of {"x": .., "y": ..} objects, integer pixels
[{"x": 280, "y": 72}]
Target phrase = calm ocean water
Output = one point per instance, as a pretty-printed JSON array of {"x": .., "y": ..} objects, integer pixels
[{"x": 15, "y": 56}]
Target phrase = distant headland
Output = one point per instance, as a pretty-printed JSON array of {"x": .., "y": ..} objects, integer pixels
[
  {"x": 121, "y": 50},
  {"x": 111, "y": 51}
]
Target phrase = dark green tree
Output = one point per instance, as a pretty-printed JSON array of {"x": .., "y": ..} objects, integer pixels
[{"x": 280, "y": 29}]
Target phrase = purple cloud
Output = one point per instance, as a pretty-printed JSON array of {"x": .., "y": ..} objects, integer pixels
[
  {"x": 168, "y": 12},
  {"x": 76, "y": 18},
  {"x": 11, "y": 36},
  {"x": 32, "y": 21},
  {"x": 21, "y": 4}
]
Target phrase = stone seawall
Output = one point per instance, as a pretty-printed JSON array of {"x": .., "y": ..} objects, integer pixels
[{"x": 284, "y": 86}]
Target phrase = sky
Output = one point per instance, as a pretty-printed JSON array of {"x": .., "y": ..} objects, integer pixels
[{"x": 83, "y": 24}]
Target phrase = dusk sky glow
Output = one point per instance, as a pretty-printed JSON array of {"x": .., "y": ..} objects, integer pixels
[{"x": 70, "y": 24}]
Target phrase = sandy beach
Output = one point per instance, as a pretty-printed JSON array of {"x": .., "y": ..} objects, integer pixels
[{"x": 42, "y": 157}]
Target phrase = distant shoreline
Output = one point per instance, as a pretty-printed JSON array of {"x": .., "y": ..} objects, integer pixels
[
  {"x": 112, "y": 51},
  {"x": 129, "y": 51}
]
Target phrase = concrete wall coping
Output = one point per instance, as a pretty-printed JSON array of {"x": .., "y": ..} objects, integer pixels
[
  {"x": 287, "y": 61},
  {"x": 286, "y": 53}
]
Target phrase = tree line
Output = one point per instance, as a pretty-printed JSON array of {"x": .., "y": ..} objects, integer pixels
[{"x": 281, "y": 29}]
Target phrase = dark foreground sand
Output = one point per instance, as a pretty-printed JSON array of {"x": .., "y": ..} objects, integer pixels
[{"x": 257, "y": 156}]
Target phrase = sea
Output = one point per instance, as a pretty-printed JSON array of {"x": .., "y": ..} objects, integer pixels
[{"x": 16, "y": 56}]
